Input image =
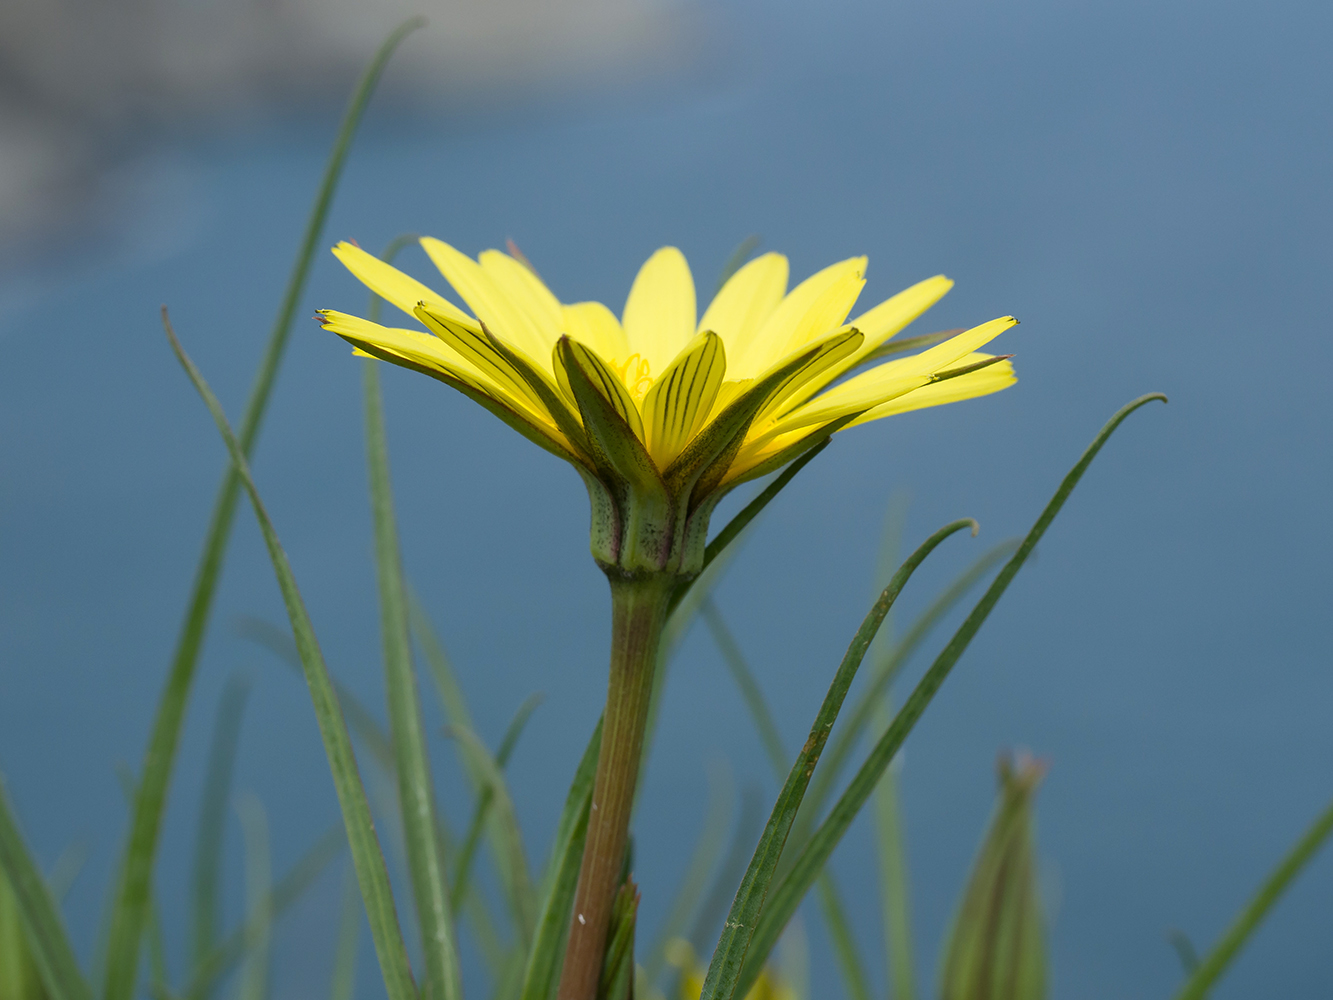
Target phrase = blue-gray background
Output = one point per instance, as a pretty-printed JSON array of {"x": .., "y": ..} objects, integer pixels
[{"x": 1145, "y": 185}]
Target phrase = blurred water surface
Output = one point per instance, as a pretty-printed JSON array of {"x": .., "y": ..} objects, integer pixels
[{"x": 1144, "y": 185}]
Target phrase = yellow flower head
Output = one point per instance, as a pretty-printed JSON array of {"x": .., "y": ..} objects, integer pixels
[{"x": 660, "y": 411}]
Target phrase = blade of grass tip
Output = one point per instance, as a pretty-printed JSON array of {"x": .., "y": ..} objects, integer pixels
[
  {"x": 891, "y": 854},
  {"x": 1221, "y": 955},
  {"x": 288, "y": 890},
  {"x": 129, "y": 912},
  {"x": 512, "y": 861},
  {"x": 546, "y": 957},
  {"x": 157, "y": 949},
  {"x": 371, "y": 871},
  {"x": 713, "y": 909},
  {"x": 67, "y": 868},
  {"x": 349, "y": 937},
  {"x": 1185, "y": 950},
  {"x": 458, "y": 885},
  {"x": 850, "y": 963},
  {"x": 207, "y": 904},
  {"x": 859, "y": 716},
  {"x": 416, "y": 789},
  {"x": 38, "y": 914},
  {"x": 737, "y": 260},
  {"x": 788, "y": 895},
  {"x": 725, "y": 968},
  {"x": 259, "y": 898},
  {"x": 712, "y": 838}
]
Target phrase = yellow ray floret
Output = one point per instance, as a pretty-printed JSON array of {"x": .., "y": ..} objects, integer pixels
[{"x": 783, "y": 357}]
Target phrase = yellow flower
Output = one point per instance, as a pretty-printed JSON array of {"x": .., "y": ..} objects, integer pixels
[{"x": 662, "y": 412}]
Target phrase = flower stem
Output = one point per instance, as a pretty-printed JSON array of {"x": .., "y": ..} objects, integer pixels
[{"x": 638, "y": 612}]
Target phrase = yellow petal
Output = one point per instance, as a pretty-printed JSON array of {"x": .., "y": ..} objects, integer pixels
[
  {"x": 411, "y": 345},
  {"x": 482, "y": 355},
  {"x": 891, "y": 379},
  {"x": 593, "y": 324},
  {"x": 487, "y": 300},
  {"x": 678, "y": 404},
  {"x": 746, "y": 300},
  {"x": 990, "y": 379},
  {"x": 393, "y": 285},
  {"x": 525, "y": 290},
  {"x": 778, "y": 332},
  {"x": 660, "y": 311}
]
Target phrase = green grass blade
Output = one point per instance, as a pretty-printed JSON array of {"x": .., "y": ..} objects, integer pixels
[
  {"x": 349, "y": 937},
  {"x": 891, "y": 855},
  {"x": 724, "y": 970},
  {"x": 37, "y": 913},
  {"x": 1221, "y": 955},
  {"x": 291, "y": 887},
  {"x": 366, "y": 854},
  {"x": 546, "y": 957},
  {"x": 1184, "y": 949},
  {"x": 844, "y": 942},
  {"x": 67, "y": 868},
  {"x": 259, "y": 898},
  {"x": 712, "y": 839},
  {"x": 788, "y": 895},
  {"x": 416, "y": 789},
  {"x": 737, "y": 260},
  {"x": 206, "y": 901},
  {"x": 463, "y": 866},
  {"x": 713, "y": 909},
  {"x": 512, "y": 859},
  {"x": 130, "y": 909}
]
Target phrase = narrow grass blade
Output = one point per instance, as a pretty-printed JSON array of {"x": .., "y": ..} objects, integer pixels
[
  {"x": 618, "y": 972},
  {"x": 130, "y": 909},
  {"x": 458, "y": 885},
  {"x": 67, "y": 868},
  {"x": 713, "y": 909},
  {"x": 19, "y": 977},
  {"x": 724, "y": 970},
  {"x": 157, "y": 952},
  {"x": 835, "y": 914},
  {"x": 37, "y": 913},
  {"x": 546, "y": 957},
  {"x": 744, "y": 250},
  {"x": 1221, "y": 955},
  {"x": 708, "y": 848},
  {"x": 1184, "y": 949},
  {"x": 206, "y": 903},
  {"x": 259, "y": 898},
  {"x": 349, "y": 937},
  {"x": 895, "y": 893},
  {"x": 788, "y": 895},
  {"x": 369, "y": 860},
  {"x": 291, "y": 887},
  {"x": 416, "y": 789},
  {"x": 512, "y": 860},
  {"x": 362, "y": 721}
]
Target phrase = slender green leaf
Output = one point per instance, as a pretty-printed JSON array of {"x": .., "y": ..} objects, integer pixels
[
  {"x": 416, "y": 790},
  {"x": 546, "y": 957},
  {"x": 1184, "y": 949},
  {"x": 744, "y": 250},
  {"x": 206, "y": 901},
  {"x": 788, "y": 895},
  {"x": 1221, "y": 955},
  {"x": 130, "y": 909},
  {"x": 287, "y": 891},
  {"x": 844, "y": 941},
  {"x": 617, "y": 982},
  {"x": 463, "y": 865},
  {"x": 37, "y": 913},
  {"x": 19, "y": 978},
  {"x": 713, "y": 909},
  {"x": 258, "y": 898},
  {"x": 349, "y": 938},
  {"x": 725, "y": 968},
  {"x": 67, "y": 868},
  {"x": 369, "y": 860},
  {"x": 891, "y": 855}
]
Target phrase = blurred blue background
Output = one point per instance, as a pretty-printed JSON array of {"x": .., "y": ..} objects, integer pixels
[{"x": 1145, "y": 185}]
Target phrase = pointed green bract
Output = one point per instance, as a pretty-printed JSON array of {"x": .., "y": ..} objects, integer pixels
[
  {"x": 725, "y": 969},
  {"x": 366, "y": 853},
  {"x": 996, "y": 946},
  {"x": 788, "y": 895},
  {"x": 131, "y": 907}
]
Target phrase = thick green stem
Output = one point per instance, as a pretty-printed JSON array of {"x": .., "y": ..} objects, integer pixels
[{"x": 638, "y": 612}]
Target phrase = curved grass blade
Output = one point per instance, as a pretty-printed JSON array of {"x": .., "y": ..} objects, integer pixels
[
  {"x": 1184, "y": 949},
  {"x": 366, "y": 853},
  {"x": 788, "y": 895},
  {"x": 546, "y": 957},
  {"x": 259, "y": 898},
  {"x": 206, "y": 904},
  {"x": 66, "y": 869},
  {"x": 844, "y": 942},
  {"x": 1224, "y": 952},
  {"x": 713, "y": 909},
  {"x": 287, "y": 891},
  {"x": 37, "y": 913},
  {"x": 725, "y": 968},
  {"x": 416, "y": 790},
  {"x": 466, "y": 853},
  {"x": 349, "y": 936},
  {"x": 891, "y": 854},
  {"x": 130, "y": 909}
]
